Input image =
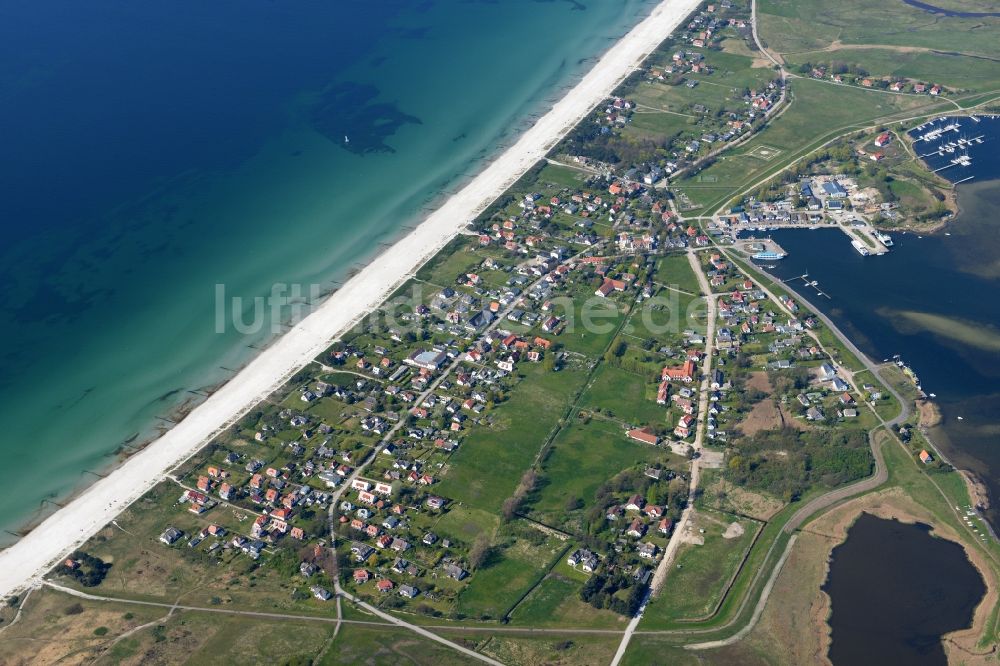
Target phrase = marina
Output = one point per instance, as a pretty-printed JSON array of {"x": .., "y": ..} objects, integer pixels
[
  {"x": 809, "y": 283},
  {"x": 954, "y": 157}
]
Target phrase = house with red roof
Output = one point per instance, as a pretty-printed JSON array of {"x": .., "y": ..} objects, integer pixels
[{"x": 644, "y": 435}]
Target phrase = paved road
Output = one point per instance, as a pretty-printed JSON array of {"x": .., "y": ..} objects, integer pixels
[
  {"x": 670, "y": 552},
  {"x": 817, "y": 504},
  {"x": 630, "y": 630},
  {"x": 881, "y": 474},
  {"x": 386, "y": 439},
  {"x": 870, "y": 365}
]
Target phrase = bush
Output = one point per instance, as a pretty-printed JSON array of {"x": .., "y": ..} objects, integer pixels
[
  {"x": 602, "y": 591},
  {"x": 810, "y": 458},
  {"x": 91, "y": 570}
]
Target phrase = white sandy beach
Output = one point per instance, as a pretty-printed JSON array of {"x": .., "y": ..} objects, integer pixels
[{"x": 35, "y": 554}]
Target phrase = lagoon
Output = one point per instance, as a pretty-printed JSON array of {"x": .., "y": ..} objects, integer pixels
[{"x": 895, "y": 590}]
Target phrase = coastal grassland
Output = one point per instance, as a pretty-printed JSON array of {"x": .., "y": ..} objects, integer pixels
[
  {"x": 666, "y": 110},
  {"x": 949, "y": 69},
  {"x": 966, "y": 5},
  {"x": 556, "y": 602},
  {"x": 789, "y": 26},
  {"x": 457, "y": 258},
  {"x": 623, "y": 395},
  {"x": 374, "y": 646},
  {"x": 722, "y": 89},
  {"x": 143, "y": 568},
  {"x": 793, "y": 627},
  {"x": 562, "y": 176},
  {"x": 817, "y": 113},
  {"x": 582, "y": 457},
  {"x": 231, "y": 639},
  {"x": 486, "y": 468},
  {"x": 58, "y": 628},
  {"x": 702, "y": 572},
  {"x": 516, "y": 564},
  {"x": 527, "y": 650}
]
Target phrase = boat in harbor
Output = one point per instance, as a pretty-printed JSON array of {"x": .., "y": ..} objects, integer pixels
[
  {"x": 768, "y": 255},
  {"x": 860, "y": 247},
  {"x": 885, "y": 239}
]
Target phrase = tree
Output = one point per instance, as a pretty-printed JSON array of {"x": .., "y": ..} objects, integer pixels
[
  {"x": 510, "y": 507},
  {"x": 549, "y": 363},
  {"x": 480, "y": 552}
]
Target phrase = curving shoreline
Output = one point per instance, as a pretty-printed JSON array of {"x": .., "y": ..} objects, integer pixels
[{"x": 32, "y": 556}]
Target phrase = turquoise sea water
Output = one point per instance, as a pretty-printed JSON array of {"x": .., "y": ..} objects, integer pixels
[{"x": 154, "y": 150}]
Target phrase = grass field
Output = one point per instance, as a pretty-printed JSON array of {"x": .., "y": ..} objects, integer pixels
[
  {"x": 556, "y": 602},
  {"x": 675, "y": 270},
  {"x": 511, "y": 573},
  {"x": 789, "y": 26},
  {"x": 556, "y": 174},
  {"x": 952, "y": 70},
  {"x": 526, "y": 650},
  {"x": 592, "y": 323},
  {"x": 701, "y": 573},
  {"x": 486, "y": 468},
  {"x": 376, "y": 647},
  {"x": 659, "y": 126},
  {"x": 818, "y": 112},
  {"x": 463, "y": 524},
  {"x": 629, "y": 397},
  {"x": 583, "y": 457}
]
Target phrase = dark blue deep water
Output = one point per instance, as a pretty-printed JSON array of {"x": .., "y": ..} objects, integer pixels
[
  {"x": 895, "y": 590},
  {"x": 154, "y": 150},
  {"x": 932, "y": 300}
]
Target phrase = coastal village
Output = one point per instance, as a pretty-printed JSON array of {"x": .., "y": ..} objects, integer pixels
[
  {"x": 375, "y": 434},
  {"x": 395, "y": 467},
  {"x": 591, "y": 406}
]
